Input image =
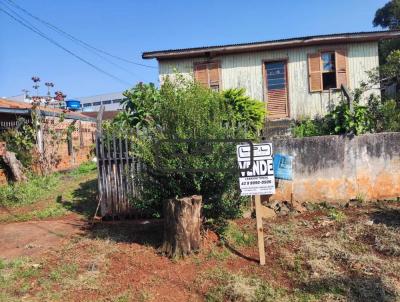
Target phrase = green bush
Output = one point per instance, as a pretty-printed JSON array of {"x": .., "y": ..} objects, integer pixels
[
  {"x": 20, "y": 141},
  {"x": 376, "y": 116},
  {"x": 183, "y": 109}
]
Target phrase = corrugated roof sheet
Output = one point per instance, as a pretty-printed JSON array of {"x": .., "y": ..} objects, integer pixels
[{"x": 298, "y": 41}]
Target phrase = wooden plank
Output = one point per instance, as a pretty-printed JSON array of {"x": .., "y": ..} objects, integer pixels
[
  {"x": 260, "y": 231},
  {"x": 109, "y": 176},
  {"x": 127, "y": 168},
  {"x": 115, "y": 175},
  {"x": 121, "y": 180}
]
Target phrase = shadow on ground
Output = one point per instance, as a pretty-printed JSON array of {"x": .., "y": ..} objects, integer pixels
[
  {"x": 84, "y": 202},
  {"x": 388, "y": 216},
  {"x": 84, "y": 199},
  {"x": 357, "y": 288},
  {"x": 145, "y": 232}
]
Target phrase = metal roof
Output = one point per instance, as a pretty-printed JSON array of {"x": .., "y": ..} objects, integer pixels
[
  {"x": 272, "y": 44},
  {"x": 21, "y": 108}
]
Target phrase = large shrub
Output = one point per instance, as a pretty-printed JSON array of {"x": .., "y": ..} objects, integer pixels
[{"x": 184, "y": 110}]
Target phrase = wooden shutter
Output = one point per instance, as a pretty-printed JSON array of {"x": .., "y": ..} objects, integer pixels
[
  {"x": 214, "y": 71},
  {"x": 201, "y": 73},
  {"x": 341, "y": 67},
  {"x": 277, "y": 90},
  {"x": 314, "y": 72}
]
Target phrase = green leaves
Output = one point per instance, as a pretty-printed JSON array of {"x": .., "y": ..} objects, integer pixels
[{"x": 183, "y": 109}]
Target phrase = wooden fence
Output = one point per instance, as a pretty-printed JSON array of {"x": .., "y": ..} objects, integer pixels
[{"x": 118, "y": 171}]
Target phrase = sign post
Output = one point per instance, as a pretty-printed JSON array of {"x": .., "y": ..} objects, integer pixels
[{"x": 257, "y": 178}]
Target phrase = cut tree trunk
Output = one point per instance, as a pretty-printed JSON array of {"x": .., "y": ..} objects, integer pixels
[
  {"x": 182, "y": 226},
  {"x": 15, "y": 165}
]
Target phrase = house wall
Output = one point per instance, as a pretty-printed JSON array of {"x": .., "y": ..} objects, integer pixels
[
  {"x": 339, "y": 168},
  {"x": 245, "y": 70}
]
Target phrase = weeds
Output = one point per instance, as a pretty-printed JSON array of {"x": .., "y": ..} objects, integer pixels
[
  {"x": 236, "y": 236},
  {"x": 219, "y": 254},
  {"x": 336, "y": 215},
  {"x": 84, "y": 168},
  {"x": 30, "y": 191},
  {"x": 237, "y": 287},
  {"x": 283, "y": 233}
]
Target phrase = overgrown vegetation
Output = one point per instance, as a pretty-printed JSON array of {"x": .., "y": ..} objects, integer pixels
[
  {"x": 28, "y": 192},
  {"x": 38, "y": 188},
  {"x": 21, "y": 141},
  {"x": 375, "y": 116},
  {"x": 176, "y": 125}
]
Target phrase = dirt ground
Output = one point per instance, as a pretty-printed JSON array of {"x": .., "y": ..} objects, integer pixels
[
  {"x": 32, "y": 238},
  {"x": 326, "y": 254}
]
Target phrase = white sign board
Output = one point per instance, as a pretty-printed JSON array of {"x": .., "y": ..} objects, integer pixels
[{"x": 256, "y": 178}]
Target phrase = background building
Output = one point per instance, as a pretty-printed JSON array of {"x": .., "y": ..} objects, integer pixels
[{"x": 111, "y": 102}]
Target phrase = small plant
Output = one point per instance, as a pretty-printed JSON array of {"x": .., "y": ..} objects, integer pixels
[
  {"x": 237, "y": 236},
  {"x": 219, "y": 254},
  {"x": 336, "y": 215}
]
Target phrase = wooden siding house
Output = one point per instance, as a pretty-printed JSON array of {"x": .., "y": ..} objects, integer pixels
[{"x": 296, "y": 78}]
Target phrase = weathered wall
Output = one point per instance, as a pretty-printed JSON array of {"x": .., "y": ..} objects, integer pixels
[
  {"x": 245, "y": 70},
  {"x": 338, "y": 168},
  {"x": 82, "y": 142}
]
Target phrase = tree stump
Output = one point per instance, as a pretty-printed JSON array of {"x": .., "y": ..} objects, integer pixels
[
  {"x": 181, "y": 226},
  {"x": 15, "y": 165}
]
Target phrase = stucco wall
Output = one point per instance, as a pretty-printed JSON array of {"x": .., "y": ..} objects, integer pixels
[
  {"x": 338, "y": 168},
  {"x": 245, "y": 70}
]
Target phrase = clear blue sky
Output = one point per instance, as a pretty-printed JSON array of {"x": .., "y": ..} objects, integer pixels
[{"x": 127, "y": 28}]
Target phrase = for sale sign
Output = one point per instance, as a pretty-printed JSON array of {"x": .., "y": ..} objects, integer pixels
[{"x": 256, "y": 166}]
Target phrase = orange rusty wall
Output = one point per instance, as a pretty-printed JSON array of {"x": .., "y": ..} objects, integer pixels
[{"x": 339, "y": 168}]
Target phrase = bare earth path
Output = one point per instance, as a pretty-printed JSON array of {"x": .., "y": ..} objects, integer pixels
[
  {"x": 32, "y": 238},
  {"x": 33, "y": 229}
]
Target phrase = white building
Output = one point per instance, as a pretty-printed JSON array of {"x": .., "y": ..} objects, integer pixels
[{"x": 111, "y": 102}]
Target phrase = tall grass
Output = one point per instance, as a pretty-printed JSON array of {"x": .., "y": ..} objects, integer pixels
[
  {"x": 28, "y": 192},
  {"x": 38, "y": 187}
]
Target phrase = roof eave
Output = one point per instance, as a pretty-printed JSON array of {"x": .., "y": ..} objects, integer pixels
[{"x": 251, "y": 47}]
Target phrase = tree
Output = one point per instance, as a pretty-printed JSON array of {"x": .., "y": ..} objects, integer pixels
[{"x": 388, "y": 17}]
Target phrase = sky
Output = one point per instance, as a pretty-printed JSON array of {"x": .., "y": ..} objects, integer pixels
[{"x": 126, "y": 28}]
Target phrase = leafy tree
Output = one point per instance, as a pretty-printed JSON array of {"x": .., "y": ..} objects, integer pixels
[
  {"x": 181, "y": 109},
  {"x": 388, "y": 17}
]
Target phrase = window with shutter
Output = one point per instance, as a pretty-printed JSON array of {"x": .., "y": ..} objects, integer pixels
[
  {"x": 314, "y": 72},
  {"x": 327, "y": 70},
  {"x": 208, "y": 74}
]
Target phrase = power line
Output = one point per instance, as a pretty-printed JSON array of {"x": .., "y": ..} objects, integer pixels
[
  {"x": 97, "y": 54},
  {"x": 77, "y": 40},
  {"x": 40, "y": 33}
]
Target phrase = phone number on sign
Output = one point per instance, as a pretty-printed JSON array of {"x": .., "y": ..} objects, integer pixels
[{"x": 256, "y": 182}]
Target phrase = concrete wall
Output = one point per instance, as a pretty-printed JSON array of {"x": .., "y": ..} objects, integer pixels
[
  {"x": 338, "y": 168},
  {"x": 245, "y": 70}
]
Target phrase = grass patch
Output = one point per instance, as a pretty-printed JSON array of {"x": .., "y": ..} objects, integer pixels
[
  {"x": 336, "y": 215},
  {"x": 236, "y": 236},
  {"x": 84, "y": 168},
  {"x": 28, "y": 192},
  {"x": 283, "y": 233},
  {"x": 237, "y": 287},
  {"x": 219, "y": 254}
]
